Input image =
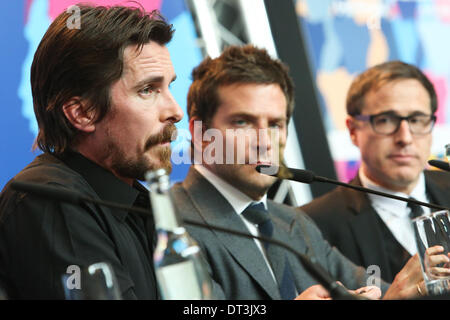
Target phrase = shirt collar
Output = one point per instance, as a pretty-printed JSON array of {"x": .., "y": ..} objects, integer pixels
[
  {"x": 237, "y": 199},
  {"x": 394, "y": 206},
  {"x": 105, "y": 184}
]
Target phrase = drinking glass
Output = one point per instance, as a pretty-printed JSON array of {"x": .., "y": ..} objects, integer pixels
[{"x": 430, "y": 231}]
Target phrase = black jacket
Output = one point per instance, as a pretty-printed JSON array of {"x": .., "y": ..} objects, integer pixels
[
  {"x": 41, "y": 238},
  {"x": 349, "y": 222}
]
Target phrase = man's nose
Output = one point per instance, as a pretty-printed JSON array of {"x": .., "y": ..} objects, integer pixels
[
  {"x": 172, "y": 111},
  {"x": 268, "y": 141},
  {"x": 403, "y": 134}
]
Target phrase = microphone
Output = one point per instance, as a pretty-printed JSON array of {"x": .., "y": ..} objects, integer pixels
[
  {"x": 336, "y": 291},
  {"x": 306, "y": 176},
  {"x": 440, "y": 164}
]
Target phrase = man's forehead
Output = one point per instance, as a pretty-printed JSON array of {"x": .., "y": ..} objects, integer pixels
[
  {"x": 233, "y": 106},
  {"x": 397, "y": 95},
  {"x": 151, "y": 57}
]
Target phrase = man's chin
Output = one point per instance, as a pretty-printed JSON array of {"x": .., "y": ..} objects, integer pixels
[
  {"x": 159, "y": 158},
  {"x": 258, "y": 180},
  {"x": 403, "y": 179}
]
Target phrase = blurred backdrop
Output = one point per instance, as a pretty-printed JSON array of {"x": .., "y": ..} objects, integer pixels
[{"x": 325, "y": 43}]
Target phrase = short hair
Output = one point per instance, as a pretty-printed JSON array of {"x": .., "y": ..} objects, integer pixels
[
  {"x": 381, "y": 74},
  {"x": 236, "y": 65},
  {"x": 85, "y": 62}
]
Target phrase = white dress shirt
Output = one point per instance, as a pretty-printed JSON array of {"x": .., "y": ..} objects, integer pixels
[
  {"x": 395, "y": 213},
  {"x": 239, "y": 201}
]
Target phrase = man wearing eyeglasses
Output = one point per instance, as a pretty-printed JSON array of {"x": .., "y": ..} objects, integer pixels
[{"x": 391, "y": 111}]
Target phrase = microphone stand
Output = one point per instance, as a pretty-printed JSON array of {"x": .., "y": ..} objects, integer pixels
[
  {"x": 379, "y": 193},
  {"x": 336, "y": 291},
  {"x": 306, "y": 176}
]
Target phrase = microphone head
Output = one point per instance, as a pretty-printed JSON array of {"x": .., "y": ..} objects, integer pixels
[
  {"x": 268, "y": 169},
  {"x": 440, "y": 164},
  {"x": 304, "y": 176}
]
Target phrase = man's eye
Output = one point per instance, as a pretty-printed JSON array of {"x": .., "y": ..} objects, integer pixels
[
  {"x": 147, "y": 91},
  {"x": 276, "y": 125},
  {"x": 240, "y": 122},
  {"x": 383, "y": 120},
  {"x": 415, "y": 120},
  {"x": 419, "y": 119}
]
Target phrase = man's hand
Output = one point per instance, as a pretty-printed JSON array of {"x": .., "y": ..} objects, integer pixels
[
  {"x": 369, "y": 292},
  {"x": 406, "y": 282},
  {"x": 316, "y": 292},
  {"x": 436, "y": 264}
]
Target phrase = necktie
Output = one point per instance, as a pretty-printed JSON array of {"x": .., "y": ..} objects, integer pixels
[
  {"x": 257, "y": 214},
  {"x": 416, "y": 210}
]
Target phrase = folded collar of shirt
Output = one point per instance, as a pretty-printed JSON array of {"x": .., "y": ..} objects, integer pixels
[
  {"x": 395, "y": 207},
  {"x": 237, "y": 199}
]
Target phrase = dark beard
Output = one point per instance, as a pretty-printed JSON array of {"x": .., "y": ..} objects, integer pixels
[{"x": 137, "y": 168}]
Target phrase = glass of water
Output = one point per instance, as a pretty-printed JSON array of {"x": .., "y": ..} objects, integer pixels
[{"x": 431, "y": 231}]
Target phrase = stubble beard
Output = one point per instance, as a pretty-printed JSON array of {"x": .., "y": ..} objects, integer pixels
[{"x": 251, "y": 183}]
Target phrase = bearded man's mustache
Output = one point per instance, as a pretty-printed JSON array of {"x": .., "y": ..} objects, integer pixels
[{"x": 168, "y": 134}]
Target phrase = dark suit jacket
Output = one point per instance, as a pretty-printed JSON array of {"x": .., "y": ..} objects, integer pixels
[
  {"x": 236, "y": 264},
  {"x": 349, "y": 222}
]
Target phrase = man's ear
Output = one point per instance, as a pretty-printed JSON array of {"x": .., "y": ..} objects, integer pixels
[
  {"x": 75, "y": 112},
  {"x": 197, "y": 128},
  {"x": 352, "y": 126}
]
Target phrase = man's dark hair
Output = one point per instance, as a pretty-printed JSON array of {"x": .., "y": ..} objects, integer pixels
[
  {"x": 376, "y": 77},
  {"x": 246, "y": 64},
  {"x": 83, "y": 63}
]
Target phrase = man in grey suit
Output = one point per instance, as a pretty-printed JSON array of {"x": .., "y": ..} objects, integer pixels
[{"x": 244, "y": 98}]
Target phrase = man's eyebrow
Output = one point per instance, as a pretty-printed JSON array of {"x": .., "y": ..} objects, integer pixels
[
  {"x": 242, "y": 114},
  {"x": 249, "y": 116},
  {"x": 395, "y": 113},
  {"x": 152, "y": 79}
]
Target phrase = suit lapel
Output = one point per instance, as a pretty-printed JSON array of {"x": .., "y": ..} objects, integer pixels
[
  {"x": 366, "y": 231},
  {"x": 216, "y": 210},
  {"x": 283, "y": 233},
  {"x": 439, "y": 191}
]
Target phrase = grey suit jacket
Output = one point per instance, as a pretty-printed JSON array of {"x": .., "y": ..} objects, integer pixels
[{"x": 236, "y": 265}]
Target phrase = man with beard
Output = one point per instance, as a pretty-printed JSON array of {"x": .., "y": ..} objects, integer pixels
[
  {"x": 106, "y": 117},
  {"x": 245, "y": 98}
]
